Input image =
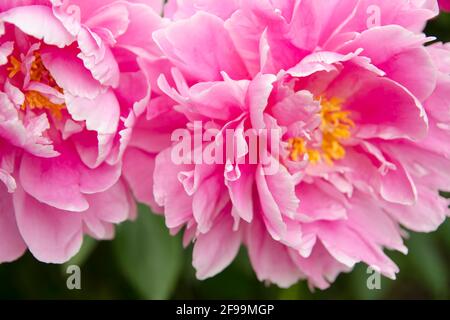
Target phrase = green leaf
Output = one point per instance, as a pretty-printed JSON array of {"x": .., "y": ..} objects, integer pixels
[
  {"x": 81, "y": 257},
  {"x": 429, "y": 266},
  {"x": 444, "y": 233},
  {"x": 149, "y": 257},
  {"x": 358, "y": 284},
  {"x": 298, "y": 291},
  {"x": 445, "y": 194}
]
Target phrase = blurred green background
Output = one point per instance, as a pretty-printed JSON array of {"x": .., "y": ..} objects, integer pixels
[{"x": 144, "y": 262}]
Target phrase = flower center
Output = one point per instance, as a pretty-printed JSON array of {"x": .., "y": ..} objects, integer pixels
[
  {"x": 36, "y": 100},
  {"x": 15, "y": 67},
  {"x": 38, "y": 73},
  {"x": 335, "y": 128}
]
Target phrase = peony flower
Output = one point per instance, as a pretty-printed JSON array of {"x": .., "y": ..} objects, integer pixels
[
  {"x": 72, "y": 84},
  {"x": 444, "y": 5},
  {"x": 351, "y": 113}
]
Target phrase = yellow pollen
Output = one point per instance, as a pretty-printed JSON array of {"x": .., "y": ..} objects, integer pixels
[
  {"x": 15, "y": 67},
  {"x": 35, "y": 100},
  {"x": 38, "y": 73},
  {"x": 37, "y": 70},
  {"x": 336, "y": 127}
]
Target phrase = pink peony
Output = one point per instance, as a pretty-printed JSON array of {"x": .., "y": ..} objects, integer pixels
[
  {"x": 72, "y": 84},
  {"x": 444, "y": 5},
  {"x": 361, "y": 111}
]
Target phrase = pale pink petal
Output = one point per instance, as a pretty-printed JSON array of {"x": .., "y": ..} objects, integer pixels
[
  {"x": 12, "y": 245},
  {"x": 393, "y": 50},
  {"x": 138, "y": 169},
  {"x": 241, "y": 194},
  {"x": 397, "y": 186},
  {"x": 215, "y": 250},
  {"x": 98, "y": 58},
  {"x": 259, "y": 92},
  {"x": 101, "y": 114},
  {"x": 427, "y": 215},
  {"x": 99, "y": 179},
  {"x": 205, "y": 55},
  {"x": 180, "y": 9},
  {"x": 70, "y": 73},
  {"x": 350, "y": 247},
  {"x": 109, "y": 207},
  {"x": 169, "y": 192},
  {"x": 367, "y": 217},
  {"x": 272, "y": 215},
  {"x": 320, "y": 267},
  {"x": 141, "y": 17},
  {"x": 270, "y": 259},
  {"x": 5, "y": 50},
  {"x": 381, "y": 107},
  {"x": 209, "y": 200},
  {"x": 39, "y": 22},
  {"x": 52, "y": 235},
  {"x": 318, "y": 204}
]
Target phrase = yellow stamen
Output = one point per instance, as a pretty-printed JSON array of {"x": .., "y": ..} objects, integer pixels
[
  {"x": 35, "y": 100},
  {"x": 37, "y": 69},
  {"x": 15, "y": 67},
  {"x": 38, "y": 73},
  {"x": 336, "y": 127}
]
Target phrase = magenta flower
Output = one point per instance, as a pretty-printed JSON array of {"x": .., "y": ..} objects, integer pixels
[
  {"x": 444, "y": 5},
  {"x": 71, "y": 88},
  {"x": 360, "y": 111}
]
